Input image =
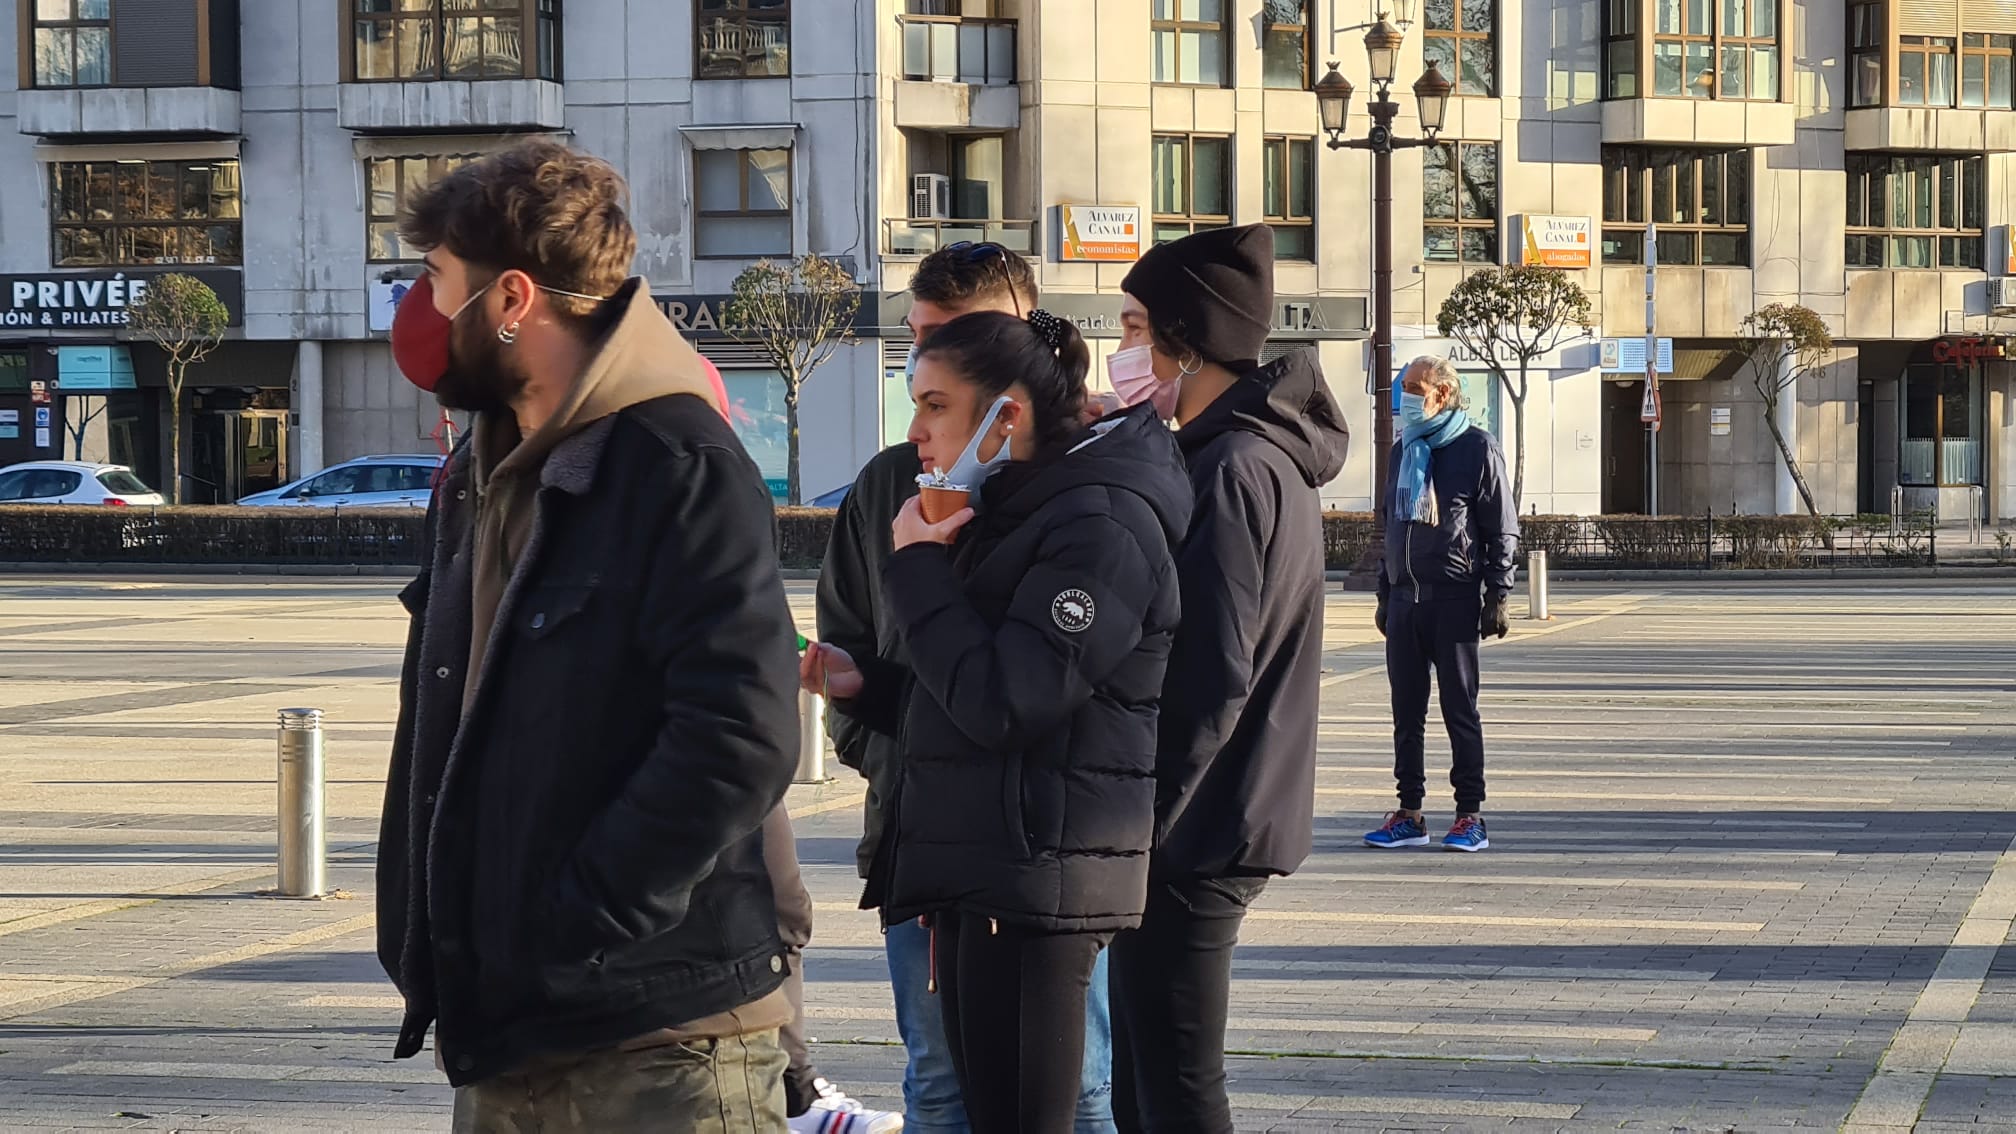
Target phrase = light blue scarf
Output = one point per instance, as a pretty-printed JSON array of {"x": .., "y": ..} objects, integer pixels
[{"x": 1411, "y": 494}]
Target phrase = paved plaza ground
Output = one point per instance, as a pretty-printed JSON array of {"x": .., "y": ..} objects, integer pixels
[{"x": 1751, "y": 868}]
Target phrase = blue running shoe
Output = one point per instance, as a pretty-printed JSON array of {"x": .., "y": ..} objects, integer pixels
[
  {"x": 1467, "y": 835},
  {"x": 1401, "y": 830}
]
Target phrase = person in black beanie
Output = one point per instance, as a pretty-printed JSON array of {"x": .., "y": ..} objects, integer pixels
[{"x": 1236, "y": 752}]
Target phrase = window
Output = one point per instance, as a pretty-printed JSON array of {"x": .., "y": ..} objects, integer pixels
[
  {"x": 1925, "y": 66},
  {"x": 1190, "y": 42},
  {"x": 1620, "y": 49},
  {"x": 1193, "y": 184},
  {"x": 742, "y": 39},
  {"x": 762, "y": 423},
  {"x": 73, "y": 43},
  {"x": 1914, "y": 211},
  {"x": 1700, "y": 199},
  {"x": 1284, "y": 45},
  {"x": 1291, "y": 196},
  {"x": 119, "y": 482},
  {"x": 109, "y": 213},
  {"x": 39, "y": 484},
  {"x": 1458, "y": 40},
  {"x": 1985, "y": 62},
  {"x": 1941, "y": 434},
  {"x": 1866, "y": 41},
  {"x": 978, "y": 172},
  {"x": 1726, "y": 49},
  {"x": 1459, "y": 198},
  {"x": 391, "y": 182},
  {"x": 423, "y": 40},
  {"x": 744, "y": 203}
]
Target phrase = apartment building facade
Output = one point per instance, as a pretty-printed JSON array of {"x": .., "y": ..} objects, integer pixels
[{"x": 1854, "y": 156}]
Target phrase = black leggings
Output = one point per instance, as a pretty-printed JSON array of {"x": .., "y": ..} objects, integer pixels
[{"x": 1014, "y": 1008}]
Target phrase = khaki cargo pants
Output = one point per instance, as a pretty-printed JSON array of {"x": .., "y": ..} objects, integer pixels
[{"x": 729, "y": 1086}]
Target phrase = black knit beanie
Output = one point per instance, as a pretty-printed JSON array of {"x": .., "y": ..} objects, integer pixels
[{"x": 1218, "y": 284}]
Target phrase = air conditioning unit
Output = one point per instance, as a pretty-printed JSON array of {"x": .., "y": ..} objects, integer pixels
[
  {"x": 2002, "y": 294},
  {"x": 930, "y": 196}
]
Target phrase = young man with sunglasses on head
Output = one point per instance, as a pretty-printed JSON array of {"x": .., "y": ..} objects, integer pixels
[{"x": 957, "y": 280}]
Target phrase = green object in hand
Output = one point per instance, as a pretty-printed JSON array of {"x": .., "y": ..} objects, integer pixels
[{"x": 803, "y": 645}]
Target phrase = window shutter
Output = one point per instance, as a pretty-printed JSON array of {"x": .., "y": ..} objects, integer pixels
[
  {"x": 1995, "y": 17},
  {"x": 736, "y": 356},
  {"x": 1928, "y": 17},
  {"x": 895, "y": 353}
]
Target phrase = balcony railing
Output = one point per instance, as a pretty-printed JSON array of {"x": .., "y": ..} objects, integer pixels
[
  {"x": 955, "y": 49},
  {"x": 923, "y": 237}
]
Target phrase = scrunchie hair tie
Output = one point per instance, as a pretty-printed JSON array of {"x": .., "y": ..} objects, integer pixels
[{"x": 1051, "y": 327}]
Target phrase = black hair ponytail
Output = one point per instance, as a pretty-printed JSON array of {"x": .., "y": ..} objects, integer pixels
[{"x": 1045, "y": 353}]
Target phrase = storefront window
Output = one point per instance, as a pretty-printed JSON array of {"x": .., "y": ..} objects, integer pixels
[
  {"x": 13, "y": 371},
  {"x": 756, "y": 410},
  {"x": 1941, "y": 438},
  {"x": 896, "y": 407}
]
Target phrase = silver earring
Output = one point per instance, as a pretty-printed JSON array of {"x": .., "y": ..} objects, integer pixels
[{"x": 508, "y": 335}]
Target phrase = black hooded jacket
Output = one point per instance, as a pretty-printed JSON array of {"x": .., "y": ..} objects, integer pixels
[
  {"x": 1236, "y": 760},
  {"x": 1026, "y": 718}
]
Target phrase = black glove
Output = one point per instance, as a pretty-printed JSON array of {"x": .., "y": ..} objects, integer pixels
[
  {"x": 1494, "y": 624},
  {"x": 1379, "y": 617}
]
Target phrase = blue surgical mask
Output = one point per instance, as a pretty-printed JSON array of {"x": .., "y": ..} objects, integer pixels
[
  {"x": 969, "y": 470},
  {"x": 1413, "y": 408}
]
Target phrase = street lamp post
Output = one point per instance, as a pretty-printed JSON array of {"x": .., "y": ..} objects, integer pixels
[{"x": 1333, "y": 94}]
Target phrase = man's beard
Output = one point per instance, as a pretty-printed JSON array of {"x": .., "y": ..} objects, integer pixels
[{"x": 480, "y": 378}]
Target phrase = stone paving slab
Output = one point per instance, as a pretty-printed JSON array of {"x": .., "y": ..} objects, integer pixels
[{"x": 1736, "y": 834}]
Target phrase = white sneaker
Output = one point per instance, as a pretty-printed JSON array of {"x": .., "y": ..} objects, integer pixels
[{"x": 834, "y": 1113}]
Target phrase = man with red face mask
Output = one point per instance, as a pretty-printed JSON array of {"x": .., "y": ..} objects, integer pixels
[{"x": 598, "y": 705}]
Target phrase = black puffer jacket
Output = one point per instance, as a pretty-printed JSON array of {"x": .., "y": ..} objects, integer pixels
[
  {"x": 1474, "y": 542},
  {"x": 1237, "y": 769},
  {"x": 1037, "y": 648}
]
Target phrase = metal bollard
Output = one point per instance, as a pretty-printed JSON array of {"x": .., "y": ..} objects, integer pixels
[
  {"x": 811, "y": 739},
  {"x": 1536, "y": 585},
  {"x": 304, "y": 846}
]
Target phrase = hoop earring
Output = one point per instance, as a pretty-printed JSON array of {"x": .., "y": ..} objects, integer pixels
[
  {"x": 508, "y": 335},
  {"x": 1187, "y": 370}
]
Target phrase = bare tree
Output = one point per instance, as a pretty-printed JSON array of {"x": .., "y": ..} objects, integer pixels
[
  {"x": 1780, "y": 344},
  {"x": 1509, "y": 318},
  {"x": 797, "y": 314},
  {"x": 182, "y": 316},
  {"x": 77, "y": 419}
]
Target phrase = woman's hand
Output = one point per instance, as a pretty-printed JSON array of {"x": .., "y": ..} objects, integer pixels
[
  {"x": 830, "y": 672},
  {"x": 910, "y": 526}
]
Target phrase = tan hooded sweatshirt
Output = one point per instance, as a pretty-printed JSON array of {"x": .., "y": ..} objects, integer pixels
[{"x": 640, "y": 358}]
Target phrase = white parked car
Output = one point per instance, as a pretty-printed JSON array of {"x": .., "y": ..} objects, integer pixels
[
  {"x": 367, "y": 482},
  {"x": 75, "y": 482}
]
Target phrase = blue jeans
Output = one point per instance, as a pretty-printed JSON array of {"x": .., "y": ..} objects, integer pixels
[{"x": 931, "y": 1103}]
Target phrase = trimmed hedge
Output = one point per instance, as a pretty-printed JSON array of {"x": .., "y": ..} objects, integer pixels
[{"x": 391, "y": 536}]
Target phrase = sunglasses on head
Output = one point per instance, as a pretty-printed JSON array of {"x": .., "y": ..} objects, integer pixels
[{"x": 974, "y": 251}]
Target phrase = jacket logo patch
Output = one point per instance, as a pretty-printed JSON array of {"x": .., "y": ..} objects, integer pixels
[{"x": 1072, "y": 611}]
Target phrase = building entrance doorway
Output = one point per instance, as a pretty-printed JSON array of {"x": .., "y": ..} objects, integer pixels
[
  {"x": 235, "y": 454},
  {"x": 1623, "y": 448}
]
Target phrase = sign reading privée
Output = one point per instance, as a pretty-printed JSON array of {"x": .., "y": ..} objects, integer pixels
[
  {"x": 1556, "y": 242},
  {"x": 1105, "y": 233}
]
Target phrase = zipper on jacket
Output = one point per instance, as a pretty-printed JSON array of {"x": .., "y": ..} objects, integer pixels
[{"x": 930, "y": 925}]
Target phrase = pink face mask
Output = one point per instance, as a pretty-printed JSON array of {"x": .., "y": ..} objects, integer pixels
[{"x": 1132, "y": 373}]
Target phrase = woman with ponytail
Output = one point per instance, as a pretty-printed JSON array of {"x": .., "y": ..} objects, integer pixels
[{"x": 1038, "y": 623}]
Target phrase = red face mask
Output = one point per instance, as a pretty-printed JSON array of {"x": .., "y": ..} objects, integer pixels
[{"x": 420, "y": 336}]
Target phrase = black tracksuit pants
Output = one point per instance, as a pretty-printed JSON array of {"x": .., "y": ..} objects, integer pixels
[
  {"x": 1438, "y": 632},
  {"x": 1171, "y": 982},
  {"x": 1014, "y": 1007}
]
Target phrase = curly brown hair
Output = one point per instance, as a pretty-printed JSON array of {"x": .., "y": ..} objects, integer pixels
[{"x": 547, "y": 210}]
